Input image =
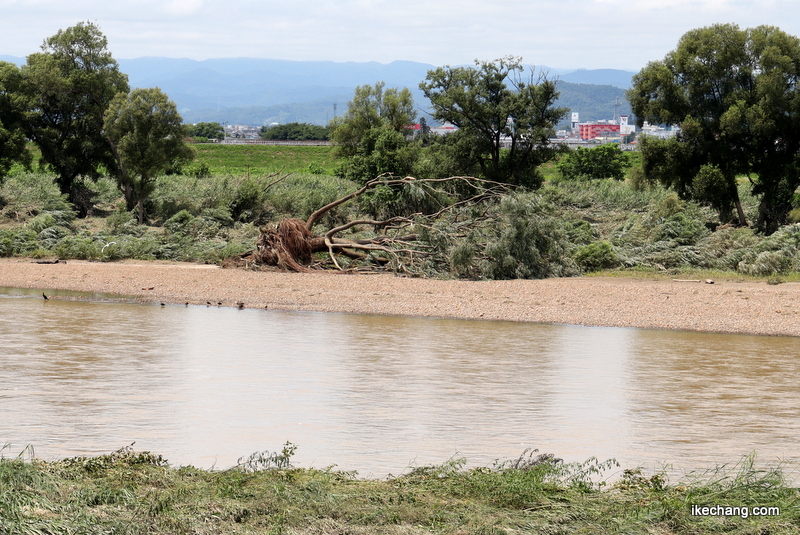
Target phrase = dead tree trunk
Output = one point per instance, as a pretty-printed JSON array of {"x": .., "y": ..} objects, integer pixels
[{"x": 291, "y": 243}]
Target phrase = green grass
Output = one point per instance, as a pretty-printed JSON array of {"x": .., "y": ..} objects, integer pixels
[
  {"x": 137, "y": 492},
  {"x": 598, "y": 224},
  {"x": 260, "y": 160}
]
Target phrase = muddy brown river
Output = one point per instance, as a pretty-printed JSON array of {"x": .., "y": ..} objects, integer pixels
[{"x": 207, "y": 385}]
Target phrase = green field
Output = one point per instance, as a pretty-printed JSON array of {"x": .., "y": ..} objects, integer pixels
[{"x": 265, "y": 159}]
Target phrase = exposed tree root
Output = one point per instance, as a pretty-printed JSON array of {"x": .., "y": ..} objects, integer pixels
[{"x": 290, "y": 244}]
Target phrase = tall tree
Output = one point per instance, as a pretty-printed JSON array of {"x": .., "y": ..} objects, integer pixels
[
  {"x": 146, "y": 133},
  {"x": 372, "y": 107},
  {"x": 734, "y": 93},
  {"x": 504, "y": 119},
  {"x": 371, "y": 133},
  {"x": 70, "y": 83},
  {"x": 12, "y": 109}
]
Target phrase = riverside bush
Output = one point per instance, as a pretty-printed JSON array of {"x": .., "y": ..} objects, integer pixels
[
  {"x": 561, "y": 229},
  {"x": 25, "y": 195},
  {"x": 596, "y": 256},
  {"x": 681, "y": 228},
  {"x": 776, "y": 254},
  {"x": 529, "y": 244}
]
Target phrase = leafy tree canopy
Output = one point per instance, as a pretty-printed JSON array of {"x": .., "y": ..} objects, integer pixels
[
  {"x": 146, "y": 131},
  {"x": 505, "y": 119},
  {"x": 605, "y": 161},
  {"x": 295, "y": 132},
  {"x": 734, "y": 92},
  {"x": 207, "y": 130},
  {"x": 70, "y": 84},
  {"x": 372, "y": 107},
  {"x": 12, "y": 107}
]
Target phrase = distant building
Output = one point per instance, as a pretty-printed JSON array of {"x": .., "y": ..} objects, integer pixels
[
  {"x": 587, "y": 131},
  {"x": 659, "y": 131},
  {"x": 625, "y": 129},
  {"x": 445, "y": 128}
]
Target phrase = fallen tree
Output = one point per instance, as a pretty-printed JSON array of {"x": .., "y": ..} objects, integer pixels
[{"x": 393, "y": 242}]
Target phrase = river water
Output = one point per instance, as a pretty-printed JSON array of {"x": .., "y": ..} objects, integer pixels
[{"x": 207, "y": 385}]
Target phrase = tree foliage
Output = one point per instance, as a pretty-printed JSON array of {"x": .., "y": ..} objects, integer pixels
[
  {"x": 295, "y": 132},
  {"x": 734, "y": 93},
  {"x": 504, "y": 121},
  {"x": 605, "y": 161},
  {"x": 12, "y": 109},
  {"x": 371, "y": 135},
  {"x": 372, "y": 107},
  {"x": 146, "y": 132},
  {"x": 70, "y": 84},
  {"x": 207, "y": 130}
]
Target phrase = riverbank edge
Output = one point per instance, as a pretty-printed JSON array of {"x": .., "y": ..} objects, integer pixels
[
  {"x": 138, "y": 492},
  {"x": 647, "y": 302}
]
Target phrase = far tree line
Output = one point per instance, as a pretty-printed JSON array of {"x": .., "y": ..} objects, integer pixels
[{"x": 733, "y": 92}]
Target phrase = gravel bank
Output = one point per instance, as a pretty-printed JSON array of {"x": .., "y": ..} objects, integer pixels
[{"x": 732, "y": 307}]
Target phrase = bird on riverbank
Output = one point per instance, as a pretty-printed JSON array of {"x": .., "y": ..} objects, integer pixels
[
  {"x": 45, "y": 297},
  {"x": 240, "y": 305}
]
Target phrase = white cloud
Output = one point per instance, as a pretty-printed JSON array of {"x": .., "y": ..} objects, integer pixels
[
  {"x": 557, "y": 33},
  {"x": 183, "y": 7}
]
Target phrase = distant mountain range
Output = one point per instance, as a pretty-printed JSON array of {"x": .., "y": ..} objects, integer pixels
[{"x": 264, "y": 91}]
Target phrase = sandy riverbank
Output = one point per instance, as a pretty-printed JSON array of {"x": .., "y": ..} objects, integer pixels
[{"x": 726, "y": 306}]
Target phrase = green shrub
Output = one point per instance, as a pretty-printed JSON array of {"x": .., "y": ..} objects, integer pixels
[
  {"x": 667, "y": 206},
  {"x": 765, "y": 263},
  {"x": 198, "y": 170},
  {"x": 247, "y": 203},
  {"x": 681, "y": 228},
  {"x": 776, "y": 254},
  {"x": 178, "y": 223},
  {"x": 41, "y": 222},
  {"x": 596, "y": 256},
  {"x": 529, "y": 244},
  {"x": 26, "y": 195},
  {"x": 6, "y": 242},
  {"x": 462, "y": 259},
  {"x": 24, "y": 241},
  {"x": 79, "y": 247},
  {"x": 122, "y": 221}
]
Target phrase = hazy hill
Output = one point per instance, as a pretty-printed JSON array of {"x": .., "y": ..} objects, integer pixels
[
  {"x": 263, "y": 91},
  {"x": 12, "y": 59},
  {"x": 613, "y": 77},
  {"x": 247, "y": 82},
  {"x": 592, "y": 102}
]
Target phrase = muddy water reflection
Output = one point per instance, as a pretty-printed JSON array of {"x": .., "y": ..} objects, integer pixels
[{"x": 204, "y": 386}]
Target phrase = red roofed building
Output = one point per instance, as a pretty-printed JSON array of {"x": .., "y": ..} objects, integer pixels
[{"x": 591, "y": 130}]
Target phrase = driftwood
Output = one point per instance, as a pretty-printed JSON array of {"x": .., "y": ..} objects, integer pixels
[{"x": 291, "y": 243}]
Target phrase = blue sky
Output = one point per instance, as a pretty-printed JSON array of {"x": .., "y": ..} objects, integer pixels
[{"x": 560, "y": 34}]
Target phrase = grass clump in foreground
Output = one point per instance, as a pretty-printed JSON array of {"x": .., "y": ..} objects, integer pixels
[{"x": 138, "y": 492}]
